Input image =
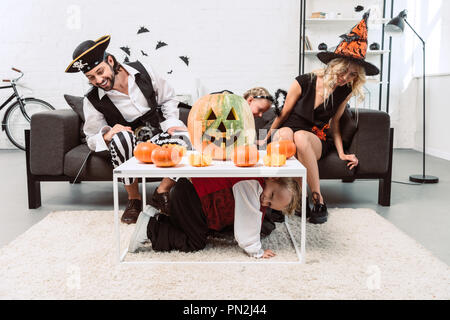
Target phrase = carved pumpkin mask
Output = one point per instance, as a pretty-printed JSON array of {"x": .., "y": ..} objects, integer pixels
[{"x": 219, "y": 122}]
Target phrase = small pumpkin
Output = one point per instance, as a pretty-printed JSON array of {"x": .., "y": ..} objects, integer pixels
[
  {"x": 285, "y": 147},
  {"x": 274, "y": 160},
  {"x": 245, "y": 155},
  {"x": 181, "y": 149},
  {"x": 200, "y": 159},
  {"x": 166, "y": 156},
  {"x": 143, "y": 151}
]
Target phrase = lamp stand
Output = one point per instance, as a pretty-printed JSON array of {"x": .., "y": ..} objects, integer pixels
[{"x": 422, "y": 178}]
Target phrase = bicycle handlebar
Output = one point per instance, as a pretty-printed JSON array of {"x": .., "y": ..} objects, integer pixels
[{"x": 16, "y": 70}]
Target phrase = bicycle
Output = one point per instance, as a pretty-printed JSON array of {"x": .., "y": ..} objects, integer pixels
[{"x": 17, "y": 117}]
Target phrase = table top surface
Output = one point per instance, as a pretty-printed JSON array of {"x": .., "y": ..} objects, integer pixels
[{"x": 135, "y": 168}]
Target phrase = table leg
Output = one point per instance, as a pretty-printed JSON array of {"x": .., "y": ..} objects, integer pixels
[
  {"x": 144, "y": 194},
  {"x": 116, "y": 216},
  {"x": 303, "y": 235}
]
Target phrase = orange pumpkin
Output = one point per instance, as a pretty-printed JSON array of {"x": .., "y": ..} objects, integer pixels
[
  {"x": 166, "y": 156},
  {"x": 199, "y": 160},
  {"x": 285, "y": 147},
  {"x": 274, "y": 160},
  {"x": 246, "y": 155},
  {"x": 181, "y": 149},
  {"x": 143, "y": 151}
]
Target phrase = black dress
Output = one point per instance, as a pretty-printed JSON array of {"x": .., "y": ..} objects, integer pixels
[{"x": 305, "y": 117}]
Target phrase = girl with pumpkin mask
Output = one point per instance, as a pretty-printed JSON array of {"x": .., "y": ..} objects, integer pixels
[
  {"x": 202, "y": 204},
  {"x": 316, "y": 101}
]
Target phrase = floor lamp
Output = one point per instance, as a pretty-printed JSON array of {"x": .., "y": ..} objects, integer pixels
[{"x": 395, "y": 27}]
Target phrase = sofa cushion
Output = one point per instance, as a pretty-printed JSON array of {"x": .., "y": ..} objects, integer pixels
[
  {"x": 76, "y": 103},
  {"x": 331, "y": 167},
  {"x": 348, "y": 127},
  {"x": 97, "y": 168}
]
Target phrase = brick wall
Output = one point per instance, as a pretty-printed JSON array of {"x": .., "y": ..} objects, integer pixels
[{"x": 231, "y": 44}]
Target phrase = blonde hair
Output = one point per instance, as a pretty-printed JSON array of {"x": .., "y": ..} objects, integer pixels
[
  {"x": 257, "y": 91},
  {"x": 330, "y": 75},
  {"x": 293, "y": 185}
]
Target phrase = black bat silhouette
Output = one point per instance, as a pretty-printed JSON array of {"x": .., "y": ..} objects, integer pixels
[
  {"x": 170, "y": 72},
  {"x": 350, "y": 37},
  {"x": 160, "y": 44},
  {"x": 144, "y": 54},
  {"x": 143, "y": 30},
  {"x": 185, "y": 59},
  {"x": 126, "y": 50}
]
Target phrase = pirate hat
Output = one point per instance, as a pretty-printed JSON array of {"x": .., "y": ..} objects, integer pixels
[
  {"x": 353, "y": 47},
  {"x": 88, "y": 55}
]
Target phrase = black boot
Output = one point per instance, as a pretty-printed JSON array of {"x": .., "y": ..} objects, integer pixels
[{"x": 319, "y": 212}]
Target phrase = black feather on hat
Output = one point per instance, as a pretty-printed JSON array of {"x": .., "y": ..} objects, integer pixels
[{"x": 88, "y": 55}]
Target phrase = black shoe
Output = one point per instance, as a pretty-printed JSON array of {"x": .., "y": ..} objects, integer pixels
[
  {"x": 132, "y": 211},
  {"x": 276, "y": 215},
  {"x": 319, "y": 212},
  {"x": 308, "y": 210}
]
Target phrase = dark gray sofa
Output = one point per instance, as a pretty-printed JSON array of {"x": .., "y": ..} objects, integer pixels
[{"x": 55, "y": 151}]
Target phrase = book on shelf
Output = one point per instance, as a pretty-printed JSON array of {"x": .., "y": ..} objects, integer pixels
[{"x": 307, "y": 43}]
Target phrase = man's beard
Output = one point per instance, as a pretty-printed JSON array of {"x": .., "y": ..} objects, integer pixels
[{"x": 110, "y": 79}]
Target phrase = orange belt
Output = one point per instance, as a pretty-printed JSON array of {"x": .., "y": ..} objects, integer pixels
[{"x": 320, "y": 133}]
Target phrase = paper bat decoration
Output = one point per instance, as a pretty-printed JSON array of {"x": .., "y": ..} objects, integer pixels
[
  {"x": 143, "y": 30},
  {"x": 185, "y": 59},
  {"x": 170, "y": 72},
  {"x": 160, "y": 44},
  {"x": 126, "y": 50},
  {"x": 144, "y": 54}
]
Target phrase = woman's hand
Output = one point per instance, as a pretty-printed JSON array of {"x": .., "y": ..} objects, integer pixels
[
  {"x": 261, "y": 142},
  {"x": 351, "y": 158},
  {"x": 268, "y": 254}
]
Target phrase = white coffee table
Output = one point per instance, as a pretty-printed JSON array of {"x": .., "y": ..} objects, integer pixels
[{"x": 135, "y": 169}]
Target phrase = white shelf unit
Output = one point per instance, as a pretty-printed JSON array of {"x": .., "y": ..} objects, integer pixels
[
  {"x": 369, "y": 52},
  {"x": 328, "y": 30},
  {"x": 310, "y": 21}
]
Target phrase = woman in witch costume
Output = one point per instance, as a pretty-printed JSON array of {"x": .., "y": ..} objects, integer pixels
[{"x": 316, "y": 101}]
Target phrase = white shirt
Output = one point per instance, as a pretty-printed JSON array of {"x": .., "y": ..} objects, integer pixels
[
  {"x": 131, "y": 107},
  {"x": 248, "y": 217}
]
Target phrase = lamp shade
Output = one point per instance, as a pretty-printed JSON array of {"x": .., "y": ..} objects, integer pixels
[{"x": 397, "y": 24}]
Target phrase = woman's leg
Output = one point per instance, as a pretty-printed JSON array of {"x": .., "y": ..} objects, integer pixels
[
  {"x": 309, "y": 149},
  {"x": 284, "y": 133}
]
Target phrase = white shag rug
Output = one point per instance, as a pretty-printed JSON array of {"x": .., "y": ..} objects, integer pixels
[{"x": 355, "y": 255}]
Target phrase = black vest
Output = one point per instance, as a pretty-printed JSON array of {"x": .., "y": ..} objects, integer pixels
[{"x": 113, "y": 116}]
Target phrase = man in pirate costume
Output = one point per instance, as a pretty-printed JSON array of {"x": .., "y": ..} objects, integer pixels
[
  {"x": 315, "y": 103},
  {"x": 128, "y": 103}
]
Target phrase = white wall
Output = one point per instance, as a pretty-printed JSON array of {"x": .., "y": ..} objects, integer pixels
[
  {"x": 232, "y": 44},
  {"x": 430, "y": 19},
  {"x": 434, "y": 26}
]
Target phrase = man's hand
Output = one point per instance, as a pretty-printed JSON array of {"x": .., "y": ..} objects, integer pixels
[
  {"x": 268, "y": 254},
  {"x": 172, "y": 130},
  {"x": 352, "y": 160},
  {"x": 117, "y": 128}
]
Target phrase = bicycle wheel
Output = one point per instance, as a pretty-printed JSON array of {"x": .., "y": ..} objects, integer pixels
[{"x": 16, "y": 122}]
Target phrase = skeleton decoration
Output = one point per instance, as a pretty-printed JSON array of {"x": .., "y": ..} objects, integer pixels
[{"x": 79, "y": 64}]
